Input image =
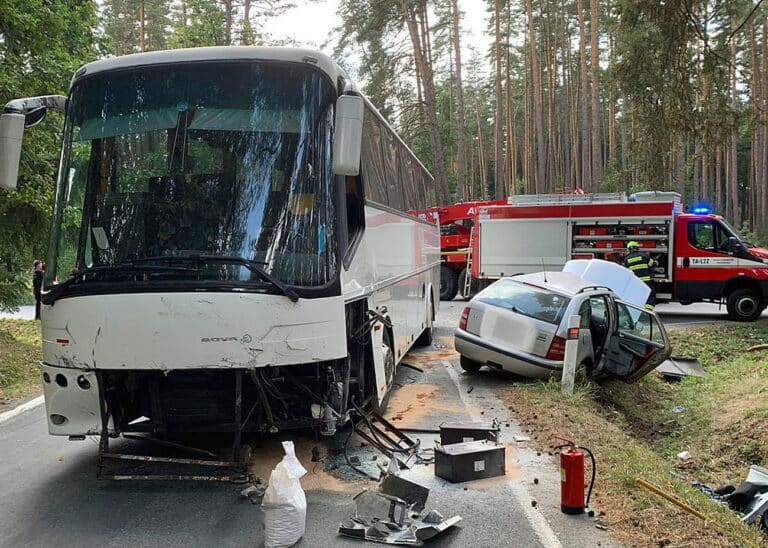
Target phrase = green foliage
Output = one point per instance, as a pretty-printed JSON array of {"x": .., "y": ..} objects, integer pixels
[
  {"x": 204, "y": 25},
  {"x": 121, "y": 21},
  {"x": 19, "y": 355},
  {"x": 43, "y": 43}
]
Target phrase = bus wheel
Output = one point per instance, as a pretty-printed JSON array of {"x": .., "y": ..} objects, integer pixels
[
  {"x": 449, "y": 283},
  {"x": 425, "y": 339},
  {"x": 744, "y": 305}
]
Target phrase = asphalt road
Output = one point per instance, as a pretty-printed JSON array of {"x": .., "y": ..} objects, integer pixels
[{"x": 50, "y": 495}]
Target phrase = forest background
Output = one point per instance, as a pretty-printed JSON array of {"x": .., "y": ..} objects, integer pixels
[{"x": 601, "y": 95}]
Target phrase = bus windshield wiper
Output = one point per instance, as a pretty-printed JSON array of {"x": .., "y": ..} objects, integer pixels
[
  {"x": 253, "y": 266},
  {"x": 50, "y": 296}
]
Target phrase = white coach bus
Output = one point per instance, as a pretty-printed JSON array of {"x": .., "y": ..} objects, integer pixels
[{"x": 232, "y": 248}]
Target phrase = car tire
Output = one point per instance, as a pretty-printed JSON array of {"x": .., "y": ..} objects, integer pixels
[
  {"x": 470, "y": 366},
  {"x": 744, "y": 305},
  {"x": 449, "y": 283}
]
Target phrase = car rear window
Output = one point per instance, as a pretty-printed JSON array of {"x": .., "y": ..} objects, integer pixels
[{"x": 526, "y": 299}]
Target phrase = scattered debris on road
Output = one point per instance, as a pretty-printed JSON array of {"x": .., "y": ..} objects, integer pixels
[
  {"x": 254, "y": 492},
  {"x": 459, "y": 462},
  {"x": 674, "y": 369},
  {"x": 671, "y": 498},
  {"x": 460, "y": 432},
  {"x": 392, "y": 514}
]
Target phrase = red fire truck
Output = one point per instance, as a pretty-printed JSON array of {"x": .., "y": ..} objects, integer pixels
[
  {"x": 455, "y": 230},
  {"x": 699, "y": 257}
]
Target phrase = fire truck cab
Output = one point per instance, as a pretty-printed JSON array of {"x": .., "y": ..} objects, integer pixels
[{"x": 699, "y": 257}]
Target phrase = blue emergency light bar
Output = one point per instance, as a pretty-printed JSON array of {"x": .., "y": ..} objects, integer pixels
[{"x": 701, "y": 210}]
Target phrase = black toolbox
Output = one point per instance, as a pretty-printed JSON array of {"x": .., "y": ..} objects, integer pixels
[
  {"x": 458, "y": 462},
  {"x": 461, "y": 432}
]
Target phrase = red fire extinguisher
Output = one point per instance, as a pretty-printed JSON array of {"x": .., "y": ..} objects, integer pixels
[{"x": 572, "y": 477}]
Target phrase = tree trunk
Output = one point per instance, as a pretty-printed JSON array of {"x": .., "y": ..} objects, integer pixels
[
  {"x": 763, "y": 145},
  {"x": 498, "y": 125},
  {"x": 538, "y": 111},
  {"x": 227, "y": 22},
  {"x": 597, "y": 161},
  {"x": 438, "y": 157},
  {"x": 481, "y": 156},
  {"x": 584, "y": 158},
  {"x": 733, "y": 195},
  {"x": 459, "y": 104}
]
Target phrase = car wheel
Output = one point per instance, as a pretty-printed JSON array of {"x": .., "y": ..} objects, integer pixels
[
  {"x": 470, "y": 366},
  {"x": 744, "y": 305},
  {"x": 449, "y": 283}
]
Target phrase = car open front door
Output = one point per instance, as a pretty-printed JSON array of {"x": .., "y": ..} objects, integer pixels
[{"x": 636, "y": 345}]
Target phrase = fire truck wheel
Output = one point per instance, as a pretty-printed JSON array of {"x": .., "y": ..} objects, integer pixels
[
  {"x": 470, "y": 366},
  {"x": 449, "y": 283},
  {"x": 744, "y": 305}
]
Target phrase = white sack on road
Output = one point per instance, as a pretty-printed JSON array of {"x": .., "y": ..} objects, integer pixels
[{"x": 284, "y": 504}]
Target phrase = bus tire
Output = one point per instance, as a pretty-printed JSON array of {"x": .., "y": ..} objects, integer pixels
[
  {"x": 425, "y": 339},
  {"x": 744, "y": 305},
  {"x": 449, "y": 283}
]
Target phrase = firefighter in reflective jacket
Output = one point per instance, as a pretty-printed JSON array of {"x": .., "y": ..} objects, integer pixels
[{"x": 640, "y": 264}]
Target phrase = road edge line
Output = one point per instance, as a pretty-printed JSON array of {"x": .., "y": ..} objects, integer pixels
[
  {"x": 26, "y": 406},
  {"x": 535, "y": 519}
]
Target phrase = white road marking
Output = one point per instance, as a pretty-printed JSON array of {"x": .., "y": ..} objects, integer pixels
[
  {"x": 31, "y": 404},
  {"x": 535, "y": 519}
]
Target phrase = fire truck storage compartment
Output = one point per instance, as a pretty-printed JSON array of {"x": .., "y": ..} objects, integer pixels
[
  {"x": 524, "y": 242},
  {"x": 652, "y": 236}
]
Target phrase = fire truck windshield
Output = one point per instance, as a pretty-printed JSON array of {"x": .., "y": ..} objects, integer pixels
[
  {"x": 213, "y": 159},
  {"x": 730, "y": 232}
]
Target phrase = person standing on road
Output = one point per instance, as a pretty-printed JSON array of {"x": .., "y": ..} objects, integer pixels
[
  {"x": 37, "y": 285},
  {"x": 641, "y": 264}
]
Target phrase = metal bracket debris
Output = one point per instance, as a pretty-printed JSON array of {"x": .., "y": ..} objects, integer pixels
[
  {"x": 677, "y": 368},
  {"x": 386, "y": 517},
  {"x": 388, "y": 439}
]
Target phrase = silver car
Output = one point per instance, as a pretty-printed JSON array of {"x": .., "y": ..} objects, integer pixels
[{"x": 520, "y": 324}]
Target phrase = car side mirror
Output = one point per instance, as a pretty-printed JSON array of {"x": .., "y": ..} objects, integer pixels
[
  {"x": 11, "y": 135},
  {"x": 348, "y": 135},
  {"x": 734, "y": 245}
]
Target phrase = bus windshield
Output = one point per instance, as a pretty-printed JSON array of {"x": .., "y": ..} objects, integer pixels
[{"x": 211, "y": 159}]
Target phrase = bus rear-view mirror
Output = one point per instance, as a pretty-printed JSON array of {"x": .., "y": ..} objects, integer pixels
[
  {"x": 11, "y": 134},
  {"x": 348, "y": 134}
]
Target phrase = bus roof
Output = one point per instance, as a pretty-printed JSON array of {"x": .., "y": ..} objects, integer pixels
[{"x": 219, "y": 53}]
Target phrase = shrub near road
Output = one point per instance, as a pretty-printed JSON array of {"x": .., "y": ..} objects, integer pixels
[
  {"x": 20, "y": 355},
  {"x": 638, "y": 430}
]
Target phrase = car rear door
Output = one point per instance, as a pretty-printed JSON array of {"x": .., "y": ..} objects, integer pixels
[{"x": 636, "y": 344}]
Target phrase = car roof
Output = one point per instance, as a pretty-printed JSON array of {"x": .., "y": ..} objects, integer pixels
[{"x": 561, "y": 282}]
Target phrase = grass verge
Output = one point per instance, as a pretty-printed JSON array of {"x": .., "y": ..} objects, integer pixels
[
  {"x": 637, "y": 430},
  {"x": 20, "y": 355}
]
